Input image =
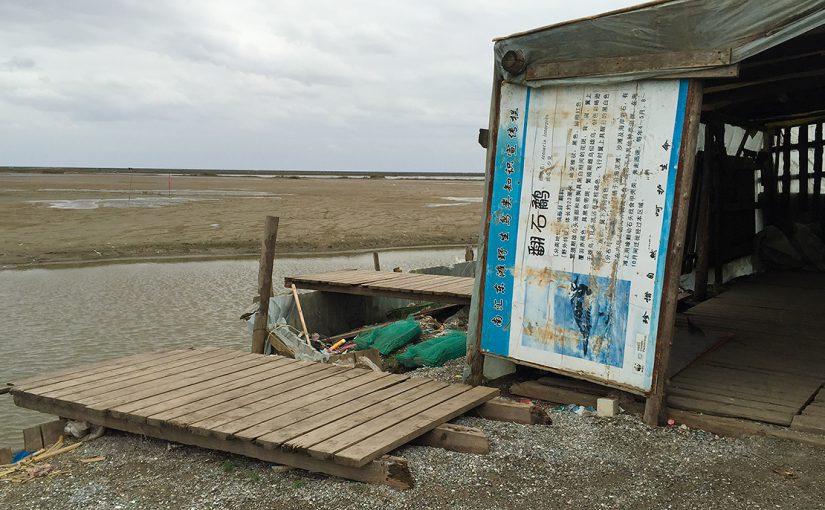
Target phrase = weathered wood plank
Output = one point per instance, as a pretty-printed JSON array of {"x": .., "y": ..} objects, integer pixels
[
  {"x": 392, "y": 471},
  {"x": 456, "y": 438},
  {"x": 403, "y": 432},
  {"x": 279, "y": 430}
]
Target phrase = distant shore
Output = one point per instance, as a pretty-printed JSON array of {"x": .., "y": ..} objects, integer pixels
[
  {"x": 229, "y": 172},
  {"x": 73, "y": 217}
]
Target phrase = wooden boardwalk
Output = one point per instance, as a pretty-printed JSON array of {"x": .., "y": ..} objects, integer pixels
[
  {"x": 774, "y": 362},
  {"x": 414, "y": 286},
  {"x": 314, "y": 416}
]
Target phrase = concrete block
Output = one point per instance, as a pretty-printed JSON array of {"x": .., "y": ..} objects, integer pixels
[
  {"x": 607, "y": 407},
  {"x": 497, "y": 367}
]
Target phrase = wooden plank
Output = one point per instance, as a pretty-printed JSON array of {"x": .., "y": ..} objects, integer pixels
[
  {"x": 166, "y": 384},
  {"x": 175, "y": 362},
  {"x": 456, "y": 438},
  {"x": 87, "y": 394},
  {"x": 297, "y": 419},
  {"x": 719, "y": 409},
  {"x": 52, "y": 431},
  {"x": 242, "y": 381},
  {"x": 388, "y": 439},
  {"x": 499, "y": 409},
  {"x": 733, "y": 427},
  {"x": 536, "y": 390},
  {"x": 807, "y": 423},
  {"x": 279, "y": 430},
  {"x": 391, "y": 417},
  {"x": 210, "y": 418},
  {"x": 654, "y": 406},
  {"x": 238, "y": 419},
  {"x": 790, "y": 408},
  {"x": 330, "y": 434},
  {"x": 629, "y": 64},
  {"x": 401, "y": 294},
  {"x": 392, "y": 471},
  {"x": 185, "y": 413},
  {"x": 32, "y": 440},
  {"x": 817, "y": 171},
  {"x": 83, "y": 370}
]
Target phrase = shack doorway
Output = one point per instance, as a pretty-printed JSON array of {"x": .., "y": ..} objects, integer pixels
[{"x": 750, "y": 341}]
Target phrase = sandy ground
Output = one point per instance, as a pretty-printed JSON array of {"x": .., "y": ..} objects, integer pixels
[
  {"x": 81, "y": 217},
  {"x": 577, "y": 462}
]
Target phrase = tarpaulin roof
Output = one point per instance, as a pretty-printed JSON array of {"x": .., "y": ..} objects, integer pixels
[{"x": 654, "y": 39}]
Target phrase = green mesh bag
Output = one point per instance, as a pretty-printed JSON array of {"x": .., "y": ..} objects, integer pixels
[
  {"x": 435, "y": 351},
  {"x": 390, "y": 337}
]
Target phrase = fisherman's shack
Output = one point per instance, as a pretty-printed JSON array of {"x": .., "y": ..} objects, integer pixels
[{"x": 654, "y": 212}]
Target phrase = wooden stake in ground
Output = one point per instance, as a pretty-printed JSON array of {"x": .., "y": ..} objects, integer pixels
[
  {"x": 375, "y": 261},
  {"x": 300, "y": 311},
  {"x": 264, "y": 283}
]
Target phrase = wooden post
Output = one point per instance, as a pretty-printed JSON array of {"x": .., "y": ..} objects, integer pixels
[
  {"x": 802, "y": 151},
  {"x": 474, "y": 364},
  {"x": 264, "y": 283},
  {"x": 654, "y": 407},
  {"x": 468, "y": 254},
  {"x": 817, "y": 198},
  {"x": 719, "y": 163},
  {"x": 700, "y": 286},
  {"x": 785, "y": 210},
  {"x": 375, "y": 261},
  {"x": 300, "y": 312}
]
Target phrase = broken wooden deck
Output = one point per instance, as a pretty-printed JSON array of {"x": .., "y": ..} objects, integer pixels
[
  {"x": 774, "y": 362},
  {"x": 413, "y": 286},
  {"x": 313, "y": 416}
]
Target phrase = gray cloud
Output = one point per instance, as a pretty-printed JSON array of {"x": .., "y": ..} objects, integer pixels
[{"x": 363, "y": 85}]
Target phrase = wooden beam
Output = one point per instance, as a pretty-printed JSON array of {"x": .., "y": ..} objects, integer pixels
[
  {"x": 536, "y": 390},
  {"x": 368, "y": 291},
  {"x": 734, "y": 427},
  {"x": 375, "y": 261},
  {"x": 817, "y": 169},
  {"x": 387, "y": 470},
  {"x": 786, "y": 175},
  {"x": 474, "y": 364},
  {"x": 654, "y": 407},
  {"x": 730, "y": 71},
  {"x": 631, "y": 64},
  {"x": 456, "y": 438},
  {"x": 719, "y": 156},
  {"x": 260, "y": 331},
  {"x": 803, "y": 167},
  {"x": 700, "y": 285},
  {"x": 500, "y": 409}
]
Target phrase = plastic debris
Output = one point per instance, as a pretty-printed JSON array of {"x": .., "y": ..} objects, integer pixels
[
  {"x": 389, "y": 338},
  {"x": 435, "y": 351},
  {"x": 289, "y": 343}
]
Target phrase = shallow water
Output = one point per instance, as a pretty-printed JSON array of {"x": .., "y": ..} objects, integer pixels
[{"x": 54, "y": 318}]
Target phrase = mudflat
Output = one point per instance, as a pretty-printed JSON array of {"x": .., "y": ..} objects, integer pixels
[{"x": 63, "y": 217}]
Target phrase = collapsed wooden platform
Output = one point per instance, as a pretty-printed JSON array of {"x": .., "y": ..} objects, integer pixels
[
  {"x": 773, "y": 364},
  {"x": 413, "y": 286},
  {"x": 313, "y": 416}
]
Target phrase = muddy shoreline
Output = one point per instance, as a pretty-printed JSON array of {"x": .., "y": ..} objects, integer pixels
[{"x": 94, "y": 217}]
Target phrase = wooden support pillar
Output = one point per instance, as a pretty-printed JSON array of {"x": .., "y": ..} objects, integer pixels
[
  {"x": 803, "y": 167},
  {"x": 264, "y": 284},
  {"x": 700, "y": 286},
  {"x": 719, "y": 157},
  {"x": 375, "y": 262},
  {"x": 784, "y": 209},
  {"x": 817, "y": 194},
  {"x": 654, "y": 407}
]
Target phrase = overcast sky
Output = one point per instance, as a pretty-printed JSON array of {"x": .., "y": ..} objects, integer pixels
[{"x": 326, "y": 85}]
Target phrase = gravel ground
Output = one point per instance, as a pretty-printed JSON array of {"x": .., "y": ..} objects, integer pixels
[{"x": 577, "y": 462}]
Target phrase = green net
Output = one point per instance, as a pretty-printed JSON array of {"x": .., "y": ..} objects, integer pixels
[
  {"x": 389, "y": 338},
  {"x": 435, "y": 351}
]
